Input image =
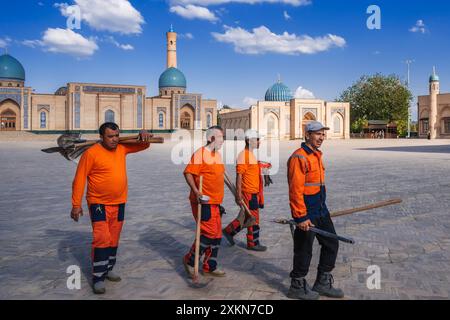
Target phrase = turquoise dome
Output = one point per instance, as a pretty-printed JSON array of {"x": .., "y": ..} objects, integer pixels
[
  {"x": 278, "y": 92},
  {"x": 11, "y": 68},
  {"x": 172, "y": 77},
  {"x": 434, "y": 77}
]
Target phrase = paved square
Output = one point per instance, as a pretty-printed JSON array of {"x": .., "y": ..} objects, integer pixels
[{"x": 409, "y": 242}]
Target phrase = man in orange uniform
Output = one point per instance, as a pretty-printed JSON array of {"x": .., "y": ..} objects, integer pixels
[
  {"x": 207, "y": 162},
  {"x": 104, "y": 167},
  {"x": 249, "y": 188},
  {"x": 307, "y": 195}
]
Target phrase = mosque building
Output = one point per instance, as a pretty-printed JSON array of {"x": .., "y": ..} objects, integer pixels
[
  {"x": 434, "y": 111},
  {"x": 82, "y": 107},
  {"x": 281, "y": 116}
]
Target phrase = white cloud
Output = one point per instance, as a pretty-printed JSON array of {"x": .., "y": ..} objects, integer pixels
[
  {"x": 32, "y": 43},
  {"x": 125, "y": 47},
  {"x": 248, "y": 101},
  {"x": 302, "y": 93},
  {"x": 194, "y": 12},
  {"x": 64, "y": 41},
  {"x": 286, "y": 15},
  {"x": 107, "y": 15},
  {"x": 419, "y": 27},
  {"x": 187, "y": 35},
  {"x": 261, "y": 40},
  {"x": 295, "y": 3},
  {"x": 4, "y": 42}
]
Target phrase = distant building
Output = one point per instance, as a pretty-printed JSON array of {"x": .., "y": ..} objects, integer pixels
[
  {"x": 85, "y": 106},
  {"x": 434, "y": 111},
  {"x": 280, "y": 116}
]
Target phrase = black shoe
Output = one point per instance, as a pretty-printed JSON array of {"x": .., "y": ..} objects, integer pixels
[
  {"x": 301, "y": 290},
  {"x": 324, "y": 286},
  {"x": 229, "y": 237},
  {"x": 258, "y": 247}
]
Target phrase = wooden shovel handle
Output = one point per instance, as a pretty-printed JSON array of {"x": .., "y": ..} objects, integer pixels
[
  {"x": 121, "y": 139},
  {"x": 197, "y": 234},
  {"x": 367, "y": 207},
  {"x": 233, "y": 190}
]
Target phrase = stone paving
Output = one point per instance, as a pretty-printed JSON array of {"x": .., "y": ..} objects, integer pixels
[{"x": 409, "y": 242}]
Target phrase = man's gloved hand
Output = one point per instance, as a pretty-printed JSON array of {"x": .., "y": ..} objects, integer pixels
[
  {"x": 222, "y": 210},
  {"x": 267, "y": 180}
]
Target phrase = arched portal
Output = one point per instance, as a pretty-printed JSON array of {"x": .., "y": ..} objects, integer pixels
[
  {"x": 10, "y": 115},
  {"x": 307, "y": 118},
  {"x": 8, "y": 120},
  {"x": 187, "y": 117}
]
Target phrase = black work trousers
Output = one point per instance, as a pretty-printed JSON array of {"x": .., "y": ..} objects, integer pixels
[{"x": 303, "y": 246}]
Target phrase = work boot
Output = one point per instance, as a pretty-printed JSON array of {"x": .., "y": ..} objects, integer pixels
[
  {"x": 214, "y": 273},
  {"x": 324, "y": 286},
  {"x": 112, "y": 276},
  {"x": 258, "y": 247},
  {"x": 229, "y": 237},
  {"x": 99, "y": 287},
  {"x": 189, "y": 270},
  {"x": 301, "y": 290}
]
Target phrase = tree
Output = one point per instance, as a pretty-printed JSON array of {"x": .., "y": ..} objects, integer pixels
[{"x": 378, "y": 97}]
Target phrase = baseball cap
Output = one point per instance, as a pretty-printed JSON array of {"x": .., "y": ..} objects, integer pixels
[
  {"x": 252, "y": 134},
  {"x": 315, "y": 126}
]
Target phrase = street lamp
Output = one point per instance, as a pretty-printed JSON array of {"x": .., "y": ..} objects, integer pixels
[{"x": 408, "y": 63}]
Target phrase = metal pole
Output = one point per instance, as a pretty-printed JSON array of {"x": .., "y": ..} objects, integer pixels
[{"x": 408, "y": 63}]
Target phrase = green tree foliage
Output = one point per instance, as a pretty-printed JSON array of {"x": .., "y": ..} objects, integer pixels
[{"x": 378, "y": 97}]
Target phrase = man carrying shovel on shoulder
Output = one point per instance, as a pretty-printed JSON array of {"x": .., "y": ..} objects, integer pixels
[
  {"x": 207, "y": 163},
  {"x": 249, "y": 189},
  {"x": 104, "y": 167}
]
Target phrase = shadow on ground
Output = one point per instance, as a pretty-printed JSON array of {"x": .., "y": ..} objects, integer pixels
[
  {"x": 74, "y": 244},
  {"x": 233, "y": 259},
  {"x": 418, "y": 149}
]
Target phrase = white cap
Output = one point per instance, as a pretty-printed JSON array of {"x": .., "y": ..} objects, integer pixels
[{"x": 252, "y": 134}]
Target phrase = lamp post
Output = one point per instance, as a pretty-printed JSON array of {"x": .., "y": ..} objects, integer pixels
[{"x": 408, "y": 63}]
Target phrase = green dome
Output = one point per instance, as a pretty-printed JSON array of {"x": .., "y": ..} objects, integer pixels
[
  {"x": 278, "y": 92},
  {"x": 11, "y": 68},
  {"x": 172, "y": 77}
]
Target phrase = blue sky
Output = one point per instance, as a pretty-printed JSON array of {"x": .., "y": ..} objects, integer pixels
[{"x": 229, "y": 50}]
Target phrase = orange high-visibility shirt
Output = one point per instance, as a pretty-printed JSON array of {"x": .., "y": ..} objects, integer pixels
[
  {"x": 306, "y": 177},
  {"x": 248, "y": 166},
  {"x": 105, "y": 172},
  {"x": 209, "y": 165}
]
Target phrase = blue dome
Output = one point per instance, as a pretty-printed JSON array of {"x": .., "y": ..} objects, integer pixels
[
  {"x": 172, "y": 77},
  {"x": 278, "y": 92},
  {"x": 11, "y": 68},
  {"x": 434, "y": 77}
]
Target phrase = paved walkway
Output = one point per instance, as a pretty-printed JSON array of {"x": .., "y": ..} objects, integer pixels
[{"x": 409, "y": 242}]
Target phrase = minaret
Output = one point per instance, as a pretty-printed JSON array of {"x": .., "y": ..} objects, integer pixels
[
  {"x": 434, "y": 91},
  {"x": 171, "y": 48}
]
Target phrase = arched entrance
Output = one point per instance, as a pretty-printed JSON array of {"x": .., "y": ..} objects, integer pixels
[
  {"x": 307, "y": 118},
  {"x": 272, "y": 126},
  {"x": 8, "y": 120},
  {"x": 187, "y": 117}
]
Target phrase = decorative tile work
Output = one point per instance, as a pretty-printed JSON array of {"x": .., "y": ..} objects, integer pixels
[
  {"x": 77, "y": 110},
  {"x": 139, "y": 111},
  {"x": 17, "y": 98},
  {"x": 25, "y": 111},
  {"x": 95, "y": 89}
]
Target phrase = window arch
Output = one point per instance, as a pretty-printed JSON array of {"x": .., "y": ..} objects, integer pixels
[
  {"x": 208, "y": 120},
  {"x": 43, "y": 118},
  {"x": 161, "y": 120},
  {"x": 337, "y": 124},
  {"x": 109, "y": 116}
]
